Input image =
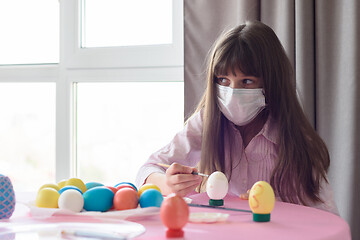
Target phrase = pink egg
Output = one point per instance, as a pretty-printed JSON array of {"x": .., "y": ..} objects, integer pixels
[
  {"x": 174, "y": 213},
  {"x": 126, "y": 198}
]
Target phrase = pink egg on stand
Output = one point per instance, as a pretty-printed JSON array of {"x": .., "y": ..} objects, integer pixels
[{"x": 174, "y": 213}]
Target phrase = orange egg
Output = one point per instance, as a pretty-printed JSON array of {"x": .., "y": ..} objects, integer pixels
[
  {"x": 174, "y": 213},
  {"x": 126, "y": 198}
]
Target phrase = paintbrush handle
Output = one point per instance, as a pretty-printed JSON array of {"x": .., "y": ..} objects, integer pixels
[
  {"x": 200, "y": 174},
  {"x": 163, "y": 165},
  {"x": 217, "y": 207},
  {"x": 194, "y": 173}
]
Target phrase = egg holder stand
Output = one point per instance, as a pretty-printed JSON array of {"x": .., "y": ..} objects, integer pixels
[{"x": 216, "y": 202}]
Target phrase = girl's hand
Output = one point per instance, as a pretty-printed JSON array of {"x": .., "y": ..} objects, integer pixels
[
  {"x": 180, "y": 180},
  {"x": 245, "y": 196}
]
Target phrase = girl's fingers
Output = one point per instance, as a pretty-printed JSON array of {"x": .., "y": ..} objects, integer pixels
[
  {"x": 180, "y": 180},
  {"x": 183, "y": 188},
  {"x": 183, "y": 178},
  {"x": 184, "y": 185},
  {"x": 176, "y": 168},
  {"x": 245, "y": 196},
  {"x": 178, "y": 173},
  {"x": 183, "y": 191}
]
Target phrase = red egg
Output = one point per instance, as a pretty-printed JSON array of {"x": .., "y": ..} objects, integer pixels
[
  {"x": 125, "y": 186},
  {"x": 174, "y": 213},
  {"x": 114, "y": 189},
  {"x": 126, "y": 198}
]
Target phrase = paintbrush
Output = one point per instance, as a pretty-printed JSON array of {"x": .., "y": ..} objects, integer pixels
[
  {"x": 194, "y": 173},
  {"x": 218, "y": 207}
]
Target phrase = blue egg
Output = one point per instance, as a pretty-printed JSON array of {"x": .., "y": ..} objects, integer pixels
[
  {"x": 151, "y": 198},
  {"x": 63, "y": 189},
  {"x": 98, "y": 199},
  {"x": 131, "y": 184},
  {"x": 90, "y": 185}
]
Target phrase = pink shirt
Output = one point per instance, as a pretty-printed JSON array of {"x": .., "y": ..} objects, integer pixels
[{"x": 250, "y": 164}]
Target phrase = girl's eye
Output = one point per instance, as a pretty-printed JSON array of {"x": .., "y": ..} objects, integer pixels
[
  {"x": 222, "y": 81},
  {"x": 248, "y": 81}
]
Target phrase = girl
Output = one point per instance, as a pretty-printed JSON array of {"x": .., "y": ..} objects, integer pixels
[{"x": 248, "y": 125}]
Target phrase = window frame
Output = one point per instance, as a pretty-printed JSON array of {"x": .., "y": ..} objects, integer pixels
[
  {"x": 78, "y": 64},
  {"x": 164, "y": 55}
]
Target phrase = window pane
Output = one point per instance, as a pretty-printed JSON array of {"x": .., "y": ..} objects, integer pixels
[
  {"x": 29, "y": 31},
  {"x": 27, "y": 134},
  {"x": 121, "y": 124},
  {"x": 126, "y": 23}
]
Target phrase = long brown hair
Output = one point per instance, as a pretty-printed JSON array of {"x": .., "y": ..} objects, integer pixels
[{"x": 303, "y": 158}]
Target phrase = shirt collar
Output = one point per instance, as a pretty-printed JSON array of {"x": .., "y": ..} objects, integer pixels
[{"x": 270, "y": 130}]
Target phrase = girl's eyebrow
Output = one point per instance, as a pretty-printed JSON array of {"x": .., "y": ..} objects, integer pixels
[
  {"x": 225, "y": 76},
  {"x": 246, "y": 76}
]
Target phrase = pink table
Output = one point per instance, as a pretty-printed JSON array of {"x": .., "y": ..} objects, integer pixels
[{"x": 288, "y": 221}]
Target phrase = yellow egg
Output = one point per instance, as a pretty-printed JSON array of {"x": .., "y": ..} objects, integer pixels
[
  {"x": 62, "y": 183},
  {"x": 77, "y": 183},
  {"x": 261, "y": 198},
  {"x": 50, "y": 185},
  {"x": 147, "y": 186},
  {"x": 47, "y": 198}
]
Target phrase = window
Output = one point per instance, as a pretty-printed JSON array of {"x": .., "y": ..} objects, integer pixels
[
  {"x": 27, "y": 132},
  {"x": 87, "y": 100},
  {"x": 29, "y": 37},
  {"x": 123, "y": 125},
  {"x": 106, "y": 23}
]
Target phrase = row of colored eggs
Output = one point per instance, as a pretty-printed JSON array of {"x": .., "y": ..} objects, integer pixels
[{"x": 74, "y": 195}]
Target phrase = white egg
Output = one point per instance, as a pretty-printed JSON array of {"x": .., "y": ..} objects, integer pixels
[
  {"x": 72, "y": 200},
  {"x": 217, "y": 186}
]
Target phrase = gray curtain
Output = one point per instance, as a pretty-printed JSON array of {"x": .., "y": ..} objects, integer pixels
[{"x": 321, "y": 38}]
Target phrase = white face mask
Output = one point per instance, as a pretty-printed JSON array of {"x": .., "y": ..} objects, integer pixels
[{"x": 240, "y": 106}]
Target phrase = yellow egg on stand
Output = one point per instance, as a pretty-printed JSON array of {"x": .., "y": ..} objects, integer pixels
[{"x": 261, "y": 201}]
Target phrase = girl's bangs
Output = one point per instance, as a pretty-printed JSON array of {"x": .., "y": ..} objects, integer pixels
[{"x": 235, "y": 57}]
